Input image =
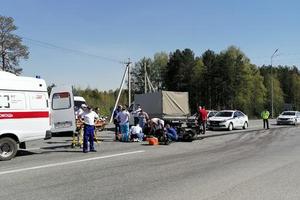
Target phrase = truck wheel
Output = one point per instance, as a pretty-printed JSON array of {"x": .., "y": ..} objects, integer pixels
[{"x": 8, "y": 148}]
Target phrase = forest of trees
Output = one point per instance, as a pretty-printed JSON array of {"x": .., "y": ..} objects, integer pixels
[{"x": 225, "y": 80}]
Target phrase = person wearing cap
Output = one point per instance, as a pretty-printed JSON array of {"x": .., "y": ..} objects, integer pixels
[{"x": 89, "y": 117}]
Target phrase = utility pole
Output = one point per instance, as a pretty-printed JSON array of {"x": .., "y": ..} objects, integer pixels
[
  {"x": 128, "y": 64},
  {"x": 145, "y": 77},
  {"x": 120, "y": 91},
  {"x": 272, "y": 84}
]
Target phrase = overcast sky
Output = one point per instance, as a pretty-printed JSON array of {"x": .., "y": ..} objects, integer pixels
[{"x": 110, "y": 31}]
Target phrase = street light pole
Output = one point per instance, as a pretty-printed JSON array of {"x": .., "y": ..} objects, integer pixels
[{"x": 272, "y": 84}]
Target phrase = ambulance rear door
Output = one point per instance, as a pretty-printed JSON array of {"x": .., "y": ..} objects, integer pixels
[{"x": 62, "y": 109}]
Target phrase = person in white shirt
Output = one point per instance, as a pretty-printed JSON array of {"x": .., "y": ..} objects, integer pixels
[
  {"x": 123, "y": 118},
  {"x": 137, "y": 134},
  {"x": 89, "y": 117}
]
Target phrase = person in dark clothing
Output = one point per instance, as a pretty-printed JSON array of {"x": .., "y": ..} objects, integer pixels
[{"x": 116, "y": 121}]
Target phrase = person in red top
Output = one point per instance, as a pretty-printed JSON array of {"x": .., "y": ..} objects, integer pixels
[{"x": 203, "y": 118}]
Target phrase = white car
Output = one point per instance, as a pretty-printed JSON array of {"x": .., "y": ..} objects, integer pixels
[
  {"x": 228, "y": 119},
  {"x": 289, "y": 117}
]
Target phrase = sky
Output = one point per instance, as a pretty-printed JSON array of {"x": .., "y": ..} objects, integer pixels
[{"x": 84, "y": 42}]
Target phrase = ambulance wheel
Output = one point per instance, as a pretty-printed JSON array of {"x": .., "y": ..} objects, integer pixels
[{"x": 8, "y": 148}]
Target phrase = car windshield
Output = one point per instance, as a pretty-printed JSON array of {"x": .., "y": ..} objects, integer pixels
[
  {"x": 211, "y": 114},
  {"x": 77, "y": 104},
  {"x": 224, "y": 114},
  {"x": 289, "y": 113}
]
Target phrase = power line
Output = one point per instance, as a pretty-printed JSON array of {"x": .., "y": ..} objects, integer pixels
[{"x": 49, "y": 45}]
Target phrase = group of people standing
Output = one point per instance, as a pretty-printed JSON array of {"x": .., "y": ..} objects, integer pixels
[
  {"x": 121, "y": 120},
  {"x": 142, "y": 124}
]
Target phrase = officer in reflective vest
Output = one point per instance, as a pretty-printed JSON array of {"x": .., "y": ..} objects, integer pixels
[{"x": 265, "y": 116}]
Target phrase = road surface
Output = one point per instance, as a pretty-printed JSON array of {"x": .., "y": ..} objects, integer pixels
[{"x": 251, "y": 164}]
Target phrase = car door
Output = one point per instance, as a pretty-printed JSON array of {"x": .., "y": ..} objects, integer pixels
[
  {"x": 62, "y": 110},
  {"x": 297, "y": 117},
  {"x": 242, "y": 118},
  {"x": 236, "y": 120}
]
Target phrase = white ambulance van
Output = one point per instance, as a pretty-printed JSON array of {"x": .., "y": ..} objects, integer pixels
[{"x": 26, "y": 112}]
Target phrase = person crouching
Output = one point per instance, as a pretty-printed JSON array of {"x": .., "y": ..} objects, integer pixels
[
  {"x": 136, "y": 133},
  {"x": 171, "y": 133}
]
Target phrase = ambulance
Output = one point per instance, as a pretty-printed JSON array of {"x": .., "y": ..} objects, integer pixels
[{"x": 27, "y": 113}]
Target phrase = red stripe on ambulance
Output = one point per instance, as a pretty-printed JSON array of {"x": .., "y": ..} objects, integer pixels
[{"x": 22, "y": 115}]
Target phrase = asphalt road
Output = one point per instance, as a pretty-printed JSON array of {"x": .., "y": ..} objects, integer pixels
[{"x": 251, "y": 164}]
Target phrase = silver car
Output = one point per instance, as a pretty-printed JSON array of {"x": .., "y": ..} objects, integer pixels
[
  {"x": 289, "y": 117},
  {"x": 228, "y": 119}
]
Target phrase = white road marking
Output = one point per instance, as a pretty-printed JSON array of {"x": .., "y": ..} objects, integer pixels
[
  {"x": 69, "y": 162},
  {"x": 31, "y": 149}
]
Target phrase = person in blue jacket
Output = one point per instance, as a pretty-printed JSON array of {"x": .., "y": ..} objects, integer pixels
[{"x": 171, "y": 133}]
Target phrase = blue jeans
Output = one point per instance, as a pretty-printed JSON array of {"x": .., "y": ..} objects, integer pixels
[
  {"x": 125, "y": 132},
  {"x": 172, "y": 135},
  {"x": 88, "y": 136}
]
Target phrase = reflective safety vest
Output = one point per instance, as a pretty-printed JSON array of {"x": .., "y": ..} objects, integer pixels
[{"x": 265, "y": 114}]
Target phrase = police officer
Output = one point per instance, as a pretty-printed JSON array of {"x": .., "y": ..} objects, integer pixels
[
  {"x": 89, "y": 117},
  {"x": 265, "y": 116}
]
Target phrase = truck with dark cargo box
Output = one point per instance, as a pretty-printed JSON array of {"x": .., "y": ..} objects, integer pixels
[{"x": 172, "y": 107}]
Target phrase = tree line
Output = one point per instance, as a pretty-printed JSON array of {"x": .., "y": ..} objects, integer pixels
[{"x": 225, "y": 80}]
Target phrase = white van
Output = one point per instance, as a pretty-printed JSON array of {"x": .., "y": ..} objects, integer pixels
[
  {"x": 78, "y": 101},
  {"x": 26, "y": 114}
]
